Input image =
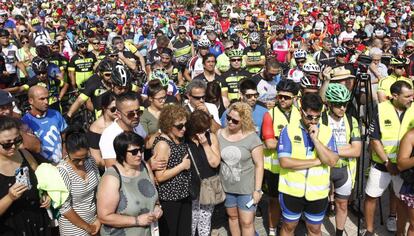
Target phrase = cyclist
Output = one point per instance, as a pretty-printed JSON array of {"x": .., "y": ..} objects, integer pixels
[
  {"x": 159, "y": 73},
  {"x": 121, "y": 80},
  {"x": 310, "y": 82},
  {"x": 296, "y": 73},
  {"x": 171, "y": 67},
  {"x": 325, "y": 56},
  {"x": 284, "y": 113},
  {"x": 195, "y": 64},
  {"x": 230, "y": 79},
  {"x": 348, "y": 140},
  {"x": 81, "y": 65},
  {"x": 386, "y": 131},
  {"x": 127, "y": 55},
  {"x": 95, "y": 87},
  {"x": 182, "y": 47},
  {"x": 306, "y": 152},
  {"x": 398, "y": 69},
  {"x": 254, "y": 54}
]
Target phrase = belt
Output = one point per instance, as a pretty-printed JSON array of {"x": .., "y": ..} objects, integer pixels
[{"x": 380, "y": 167}]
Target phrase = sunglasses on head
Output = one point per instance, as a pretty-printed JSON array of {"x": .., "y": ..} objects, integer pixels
[
  {"x": 199, "y": 97},
  {"x": 135, "y": 151},
  {"x": 16, "y": 142},
  {"x": 310, "y": 117},
  {"x": 284, "y": 97},
  {"x": 234, "y": 121},
  {"x": 249, "y": 96},
  {"x": 180, "y": 126},
  {"x": 339, "y": 104}
]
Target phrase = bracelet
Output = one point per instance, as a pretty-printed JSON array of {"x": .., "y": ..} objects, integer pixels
[{"x": 136, "y": 221}]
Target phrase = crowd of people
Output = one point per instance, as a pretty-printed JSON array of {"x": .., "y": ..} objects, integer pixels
[{"x": 157, "y": 117}]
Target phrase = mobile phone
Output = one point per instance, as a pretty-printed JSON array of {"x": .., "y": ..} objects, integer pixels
[
  {"x": 250, "y": 203},
  {"x": 23, "y": 177}
]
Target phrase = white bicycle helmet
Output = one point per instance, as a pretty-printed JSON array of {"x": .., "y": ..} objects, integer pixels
[
  {"x": 272, "y": 18},
  {"x": 340, "y": 51},
  {"x": 299, "y": 54},
  {"x": 311, "y": 82},
  {"x": 311, "y": 67},
  {"x": 238, "y": 28},
  {"x": 203, "y": 43},
  {"x": 254, "y": 37},
  {"x": 209, "y": 28}
]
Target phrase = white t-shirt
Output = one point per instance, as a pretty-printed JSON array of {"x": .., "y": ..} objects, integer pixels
[
  {"x": 11, "y": 57},
  {"x": 345, "y": 36},
  {"x": 212, "y": 109},
  {"x": 338, "y": 130},
  {"x": 106, "y": 143}
]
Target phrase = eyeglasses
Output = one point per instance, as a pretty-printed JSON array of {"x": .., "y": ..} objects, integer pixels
[
  {"x": 135, "y": 151},
  {"x": 235, "y": 60},
  {"x": 199, "y": 97},
  {"x": 180, "y": 126},
  {"x": 310, "y": 117},
  {"x": 132, "y": 114},
  {"x": 161, "y": 99},
  {"x": 112, "y": 109},
  {"x": 113, "y": 55},
  {"x": 25, "y": 42},
  {"x": 339, "y": 104},
  {"x": 249, "y": 96},
  {"x": 228, "y": 48},
  {"x": 234, "y": 121},
  {"x": 16, "y": 142},
  {"x": 400, "y": 67},
  {"x": 301, "y": 62},
  {"x": 284, "y": 97},
  {"x": 95, "y": 43}
]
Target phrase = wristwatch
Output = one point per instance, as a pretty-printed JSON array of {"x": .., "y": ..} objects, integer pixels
[{"x": 259, "y": 191}]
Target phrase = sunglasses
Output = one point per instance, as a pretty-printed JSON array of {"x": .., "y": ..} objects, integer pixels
[
  {"x": 113, "y": 55},
  {"x": 25, "y": 42},
  {"x": 82, "y": 46},
  {"x": 409, "y": 47},
  {"x": 23, "y": 31},
  {"x": 112, "y": 109},
  {"x": 132, "y": 114},
  {"x": 135, "y": 151},
  {"x": 400, "y": 67},
  {"x": 229, "y": 48},
  {"x": 75, "y": 161},
  {"x": 339, "y": 104},
  {"x": 199, "y": 97},
  {"x": 95, "y": 43},
  {"x": 300, "y": 62},
  {"x": 182, "y": 32},
  {"x": 249, "y": 96},
  {"x": 234, "y": 121},
  {"x": 310, "y": 117},
  {"x": 284, "y": 97},
  {"x": 16, "y": 142},
  {"x": 180, "y": 126},
  {"x": 235, "y": 60},
  {"x": 108, "y": 74}
]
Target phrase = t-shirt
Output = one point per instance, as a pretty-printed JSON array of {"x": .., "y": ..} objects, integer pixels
[
  {"x": 237, "y": 170},
  {"x": 338, "y": 131},
  {"x": 106, "y": 143},
  {"x": 11, "y": 57},
  {"x": 48, "y": 129}
]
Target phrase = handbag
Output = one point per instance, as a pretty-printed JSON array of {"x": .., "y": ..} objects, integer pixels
[{"x": 211, "y": 190}]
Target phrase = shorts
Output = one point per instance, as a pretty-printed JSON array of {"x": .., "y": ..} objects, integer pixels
[
  {"x": 239, "y": 201},
  {"x": 379, "y": 180},
  {"x": 293, "y": 207},
  {"x": 271, "y": 181},
  {"x": 342, "y": 181}
]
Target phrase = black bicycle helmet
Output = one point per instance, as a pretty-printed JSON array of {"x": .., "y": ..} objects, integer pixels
[
  {"x": 4, "y": 33},
  {"x": 105, "y": 65},
  {"x": 39, "y": 65},
  {"x": 121, "y": 76},
  {"x": 287, "y": 85},
  {"x": 44, "y": 51}
]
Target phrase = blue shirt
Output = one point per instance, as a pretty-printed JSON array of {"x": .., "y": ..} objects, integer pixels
[
  {"x": 284, "y": 146},
  {"x": 48, "y": 129}
]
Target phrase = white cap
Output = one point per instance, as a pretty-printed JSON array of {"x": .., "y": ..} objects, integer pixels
[{"x": 319, "y": 26}]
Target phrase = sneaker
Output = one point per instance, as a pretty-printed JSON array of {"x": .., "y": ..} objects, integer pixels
[{"x": 392, "y": 223}]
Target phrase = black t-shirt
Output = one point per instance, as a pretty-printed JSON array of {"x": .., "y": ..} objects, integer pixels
[
  {"x": 203, "y": 77},
  {"x": 94, "y": 89},
  {"x": 153, "y": 56}
]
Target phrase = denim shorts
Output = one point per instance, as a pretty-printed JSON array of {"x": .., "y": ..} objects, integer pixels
[{"x": 239, "y": 201}]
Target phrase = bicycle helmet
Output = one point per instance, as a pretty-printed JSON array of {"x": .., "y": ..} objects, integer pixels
[
  {"x": 203, "y": 43},
  {"x": 39, "y": 65},
  {"x": 300, "y": 54},
  {"x": 340, "y": 51},
  {"x": 238, "y": 28},
  {"x": 287, "y": 85},
  {"x": 337, "y": 93},
  {"x": 120, "y": 76},
  {"x": 81, "y": 41},
  {"x": 209, "y": 28},
  {"x": 272, "y": 18},
  {"x": 105, "y": 65},
  {"x": 254, "y": 37},
  {"x": 4, "y": 33},
  {"x": 311, "y": 67},
  {"x": 235, "y": 53},
  {"x": 311, "y": 82},
  {"x": 399, "y": 61},
  {"x": 160, "y": 75}
]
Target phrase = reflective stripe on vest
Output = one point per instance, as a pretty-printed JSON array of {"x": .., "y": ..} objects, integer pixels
[
  {"x": 271, "y": 162},
  {"x": 312, "y": 183},
  {"x": 392, "y": 130}
]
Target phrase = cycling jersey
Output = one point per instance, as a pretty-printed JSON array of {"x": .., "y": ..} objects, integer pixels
[
  {"x": 254, "y": 55},
  {"x": 229, "y": 82},
  {"x": 195, "y": 66},
  {"x": 281, "y": 47},
  {"x": 83, "y": 67},
  {"x": 94, "y": 89},
  {"x": 323, "y": 58},
  {"x": 182, "y": 52}
]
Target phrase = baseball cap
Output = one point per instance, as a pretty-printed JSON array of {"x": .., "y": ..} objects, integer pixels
[{"x": 6, "y": 98}]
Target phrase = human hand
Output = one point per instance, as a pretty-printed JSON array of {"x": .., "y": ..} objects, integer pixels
[
  {"x": 45, "y": 201},
  {"x": 256, "y": 197},
  {"x": 202, "y": 106},
  {"x": 392, "y": 168},
  {"x": 158, "y": 211},
  {"x": 327, "y": 73},
  {"x": 270, "y": 104},
  {"x": 185, "y": 163},
  {"x": 16, "y": 191},
  {"x": 202, "y": 139},
  {"x": 313, "y": 132},
  {"x": 97, "y": 225},
  {"x": 146, "y": 219},
  {"x": 157, "y": 164}
]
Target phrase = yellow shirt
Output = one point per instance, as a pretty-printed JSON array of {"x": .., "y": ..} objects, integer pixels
[{"x": 384, "y": 85}]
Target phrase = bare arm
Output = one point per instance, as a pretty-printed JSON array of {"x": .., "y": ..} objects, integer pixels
[
  {"x": 75, "y": 106},
  {"x": 96, "y": 154},
  {"x": 72, "y": 79},
  {"x": 141, "y": 60},
  {"x": 298, "y": 164},
  {"x": 404, "y": 159},
  {"x": 352, "y": 150},
  {"x": 382, "y": 97},
  {"x": 378, "y": 148},
  {"x": 162, "y": 151},
  {"x": 257, "y": 155},
  {"x": 212, "y": 151},
  {"x": 187, "y": 74},
  {"x": 109, "y": 162}
]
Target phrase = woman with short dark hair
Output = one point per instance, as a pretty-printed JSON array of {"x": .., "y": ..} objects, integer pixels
[{"x": 127, "y": 198}]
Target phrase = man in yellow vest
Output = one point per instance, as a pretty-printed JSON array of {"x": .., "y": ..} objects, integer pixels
[
  {"x": 306, "y": 151},
  {"x": 282, "y": 114},
  {"x": 348, "y": 140},
  {"x": 395, "y": 118}
]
